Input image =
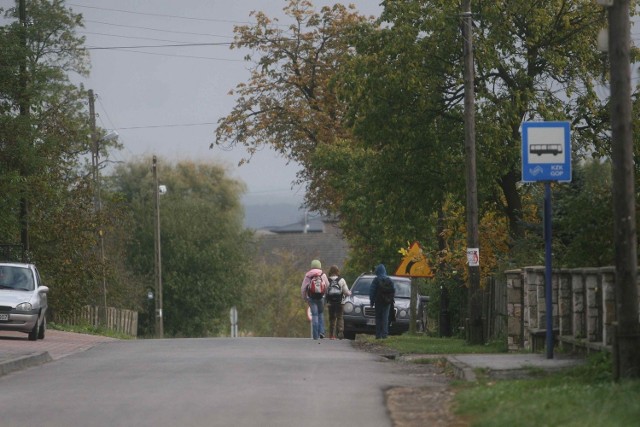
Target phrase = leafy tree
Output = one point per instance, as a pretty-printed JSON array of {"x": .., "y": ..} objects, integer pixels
[
  {"x": 44, "y": 135},
  {"x": 407, "y": 128},
  {"x": 536, "y": 61},
  {"x": 205, "y": 250},
  {"x": 41, "y": 112},
  {"x": 583, "y": 224},
  {"x": 271, "y": 304},
  {"x": 288, "y": 103}
]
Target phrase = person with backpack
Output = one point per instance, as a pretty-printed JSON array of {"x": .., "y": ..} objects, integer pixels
[
  {"x": 336, "y": 291},
  {"x": 313, "y": 288},
  {"x": 381, "y": 296}
]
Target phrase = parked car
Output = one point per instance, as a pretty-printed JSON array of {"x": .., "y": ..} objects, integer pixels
[
  {"x": 360, "y": 317},
  {"x": 23, "y": 300}
]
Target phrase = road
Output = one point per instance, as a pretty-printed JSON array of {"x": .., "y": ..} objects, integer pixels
[{"x": 206, "y": 382}]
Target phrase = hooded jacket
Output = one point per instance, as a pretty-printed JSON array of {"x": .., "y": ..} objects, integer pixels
[
  {"x": 380, "y": 272},
  {"x": 307, "y": 280}
]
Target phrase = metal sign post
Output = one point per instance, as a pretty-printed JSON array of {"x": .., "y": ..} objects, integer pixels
[{"x": 546, "y": 157}]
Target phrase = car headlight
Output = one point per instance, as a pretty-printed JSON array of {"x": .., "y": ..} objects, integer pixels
[
  {"x": 25, "y": 306},
  {"x": 348, "y": 307},
  {"x": 358, "y": 310},
  {"x": 403, "y": 313}
]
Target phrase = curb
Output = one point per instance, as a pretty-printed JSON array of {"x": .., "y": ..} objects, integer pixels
[
  {"x": 18, "y": 363},
  {"x": 461, "y": 371}
]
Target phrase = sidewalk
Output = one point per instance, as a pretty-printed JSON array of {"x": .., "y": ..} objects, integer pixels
[
  {"x": 503, "y": 366},
  {"x": 17, "y": 352}
]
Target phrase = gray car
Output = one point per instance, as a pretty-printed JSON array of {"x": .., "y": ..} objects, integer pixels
[
  {"x": 23, "y": 300},
  {"x": 360, "y": 317}
]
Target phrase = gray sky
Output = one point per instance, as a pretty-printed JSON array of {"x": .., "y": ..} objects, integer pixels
[{"x": 167, "y": 101}]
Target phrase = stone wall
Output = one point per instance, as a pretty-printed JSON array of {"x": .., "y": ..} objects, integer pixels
[{"x": 583, "y": 304}]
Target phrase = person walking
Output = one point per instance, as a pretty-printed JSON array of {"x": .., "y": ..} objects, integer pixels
[
  {"x": 381, "y": 294},
  {"x": 313, "y": 288},
  {"x": 336, "y": 293}
]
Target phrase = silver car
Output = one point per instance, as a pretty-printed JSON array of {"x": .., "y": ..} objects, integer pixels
[
  {"x": 23, "y": 300},
  {"x": 359, "y": 317}
]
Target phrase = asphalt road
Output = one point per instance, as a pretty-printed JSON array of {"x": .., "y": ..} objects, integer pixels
[{"x": 205, "y": 382}]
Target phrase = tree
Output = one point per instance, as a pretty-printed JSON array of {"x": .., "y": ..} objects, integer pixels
[
  {"x": 584, "y": 240},
  {"x": 271, "y": 304},
  {"x": 205, "y": 250},
  {"x": 288, "y": 102},
  {"x": 44, "y": 136},
  {"x": 536, "y": 61},
  {"x": 42, "y": 125}
]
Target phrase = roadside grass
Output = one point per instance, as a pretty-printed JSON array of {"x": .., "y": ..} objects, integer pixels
[
  {"x": 582, "y": 396},
  {"x": 421, "y": 344},
  {"x": 88, "y": 329}
]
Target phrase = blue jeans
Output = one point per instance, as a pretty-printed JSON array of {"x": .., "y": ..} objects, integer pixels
[
  {"x": 317, "y": 316},
  {"x": 382, "y": 320}
]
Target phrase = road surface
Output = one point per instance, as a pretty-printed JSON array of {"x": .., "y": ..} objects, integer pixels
[{"x": 206, "y": 382}]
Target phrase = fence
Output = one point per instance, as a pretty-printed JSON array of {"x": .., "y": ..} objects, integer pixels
[
  {"x": 494, "y": 309},
  {"x": 114, "y": 319},
  {"x": 583, "y": 304}
]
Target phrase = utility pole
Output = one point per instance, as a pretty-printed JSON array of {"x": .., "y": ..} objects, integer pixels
[
  {"x": 626, "y": 358},
  {"x": 157, "y": 251},
  {"x": 474, "y": 322},
  {"x": 95, "y": 163},
  {"x": 24, "y": 113}
]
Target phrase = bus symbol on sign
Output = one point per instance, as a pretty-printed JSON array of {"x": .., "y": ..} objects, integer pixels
[
  {"x": 541, "y": 149},
  {"x": 546, "y": 151}
]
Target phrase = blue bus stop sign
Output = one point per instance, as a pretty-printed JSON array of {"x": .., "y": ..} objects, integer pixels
[{"x": 546, "y": 151}]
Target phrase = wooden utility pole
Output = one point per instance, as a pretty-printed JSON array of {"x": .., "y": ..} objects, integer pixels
[
  {"x": 474, "y": 322},
  {"x": 158, "y": 253},
  {"x": 626, "y": 357},
  {"x": 24, "y": 103},
  {"x": 97, "y": 198}
]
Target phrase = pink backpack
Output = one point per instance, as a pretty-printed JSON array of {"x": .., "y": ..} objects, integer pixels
[{"x": 317, "y": 287}]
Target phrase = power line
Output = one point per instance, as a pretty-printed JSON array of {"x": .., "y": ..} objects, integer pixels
[
  {"x": 157, "y": 29},
  {"x": 159, "y": 14},
  {"x": 177, "y": 56},
  {"x": 128, "y": 37},
  {"x": 167, "y": 126},
  {"x": 154, "y": 46}
]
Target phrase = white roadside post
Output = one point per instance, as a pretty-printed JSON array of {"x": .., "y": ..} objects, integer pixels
[{"x": 233, "y": 317}]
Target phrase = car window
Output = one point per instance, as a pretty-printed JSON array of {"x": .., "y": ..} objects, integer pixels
[
  {"x": 12, "y": 277},
  {"x": 362, "y": 285},
  {"x": 403, "y": 288}
]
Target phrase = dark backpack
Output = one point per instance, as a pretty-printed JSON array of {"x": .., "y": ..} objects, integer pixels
[
  {"x": 334, "y": 292},
  {"x": 317, "y": 287},
  {"x": 386, "y": 291}
]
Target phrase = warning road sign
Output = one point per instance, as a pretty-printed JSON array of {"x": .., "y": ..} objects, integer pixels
[{"x": 414, "y": 264}]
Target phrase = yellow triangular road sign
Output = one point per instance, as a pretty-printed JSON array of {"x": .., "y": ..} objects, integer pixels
[{"x": 414, "y": 264}]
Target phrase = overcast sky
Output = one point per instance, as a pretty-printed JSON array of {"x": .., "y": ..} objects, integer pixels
[{"x": 167, "y": 101}]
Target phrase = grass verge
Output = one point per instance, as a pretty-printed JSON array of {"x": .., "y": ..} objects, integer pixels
[
  {"x": 583, "y": 396},
  {"x": 420, "y": 344},
  {"x": 87, "y": 329}
]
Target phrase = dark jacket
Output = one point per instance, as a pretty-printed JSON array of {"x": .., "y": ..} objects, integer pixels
[{"x": 381, "y": 272}]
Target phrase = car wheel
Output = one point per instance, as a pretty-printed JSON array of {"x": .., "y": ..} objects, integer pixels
[
  {"x": 33, "y": 335},
  {"x": 42, "y": 329},
  {"x": 350, "y": 335}
]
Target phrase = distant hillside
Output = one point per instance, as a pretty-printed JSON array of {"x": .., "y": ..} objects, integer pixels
[{"x": 264, "y": 215}]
